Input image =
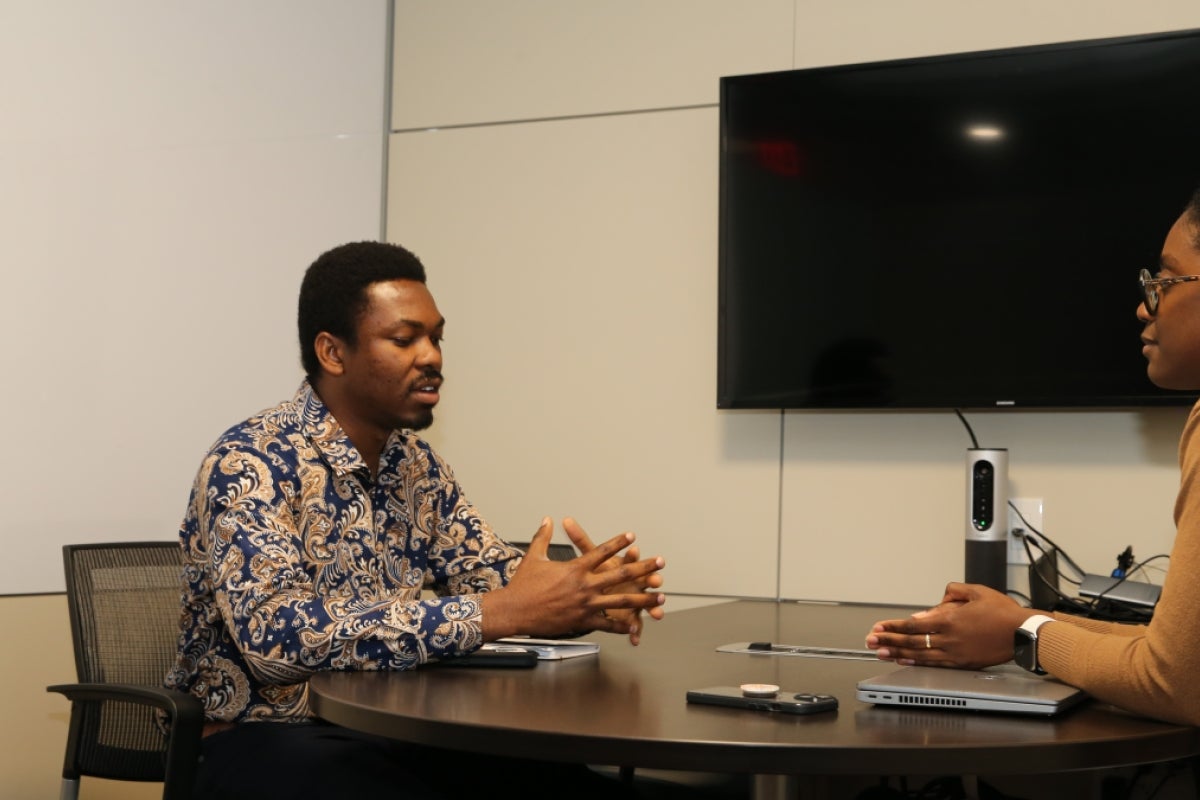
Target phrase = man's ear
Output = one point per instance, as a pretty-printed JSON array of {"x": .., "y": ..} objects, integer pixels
[{"x": 330, "y": 351}]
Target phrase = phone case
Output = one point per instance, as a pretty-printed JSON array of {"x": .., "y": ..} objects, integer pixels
[
  {"x": 785, "y": 702},
  {"x": 509, "y": 657}
]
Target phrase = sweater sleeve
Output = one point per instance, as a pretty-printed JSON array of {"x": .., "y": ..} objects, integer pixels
[
  {"x": 1102, "y": 626},
  {"x": 1147, "y": 669}
]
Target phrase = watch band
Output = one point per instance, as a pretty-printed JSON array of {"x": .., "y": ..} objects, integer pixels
[
  {"x": 1032, "y": 624},
  {"x": 1030, "y": 628}
]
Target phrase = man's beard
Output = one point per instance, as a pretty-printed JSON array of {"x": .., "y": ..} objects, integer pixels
[{"x": 419, "y": 421}]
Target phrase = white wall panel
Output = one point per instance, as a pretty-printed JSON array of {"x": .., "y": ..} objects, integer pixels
[
  {"x": 879, "y": 501},
  {"x": 507, "y": 203},
  {"x": 575, "y": 262},
  {"x": 169, "y": 172},
  {"x": 875, "y": 508},
  {"x": 466, "y": 61}
]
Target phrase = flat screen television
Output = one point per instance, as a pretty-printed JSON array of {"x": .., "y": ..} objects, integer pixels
[{"x": 957, "y": 231}]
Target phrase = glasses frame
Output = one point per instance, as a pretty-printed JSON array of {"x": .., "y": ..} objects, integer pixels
[{"x": 1151, "y": 286}]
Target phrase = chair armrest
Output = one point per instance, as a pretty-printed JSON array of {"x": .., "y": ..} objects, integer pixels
[
  {"x": 184, "y": 724},
  {"x": 185, "y": 711}
]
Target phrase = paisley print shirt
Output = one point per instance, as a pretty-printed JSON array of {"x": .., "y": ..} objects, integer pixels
[{"x": 295, "y": 561}]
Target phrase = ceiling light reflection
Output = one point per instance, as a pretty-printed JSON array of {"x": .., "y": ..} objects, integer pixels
[{"x": 985, "y": 133}]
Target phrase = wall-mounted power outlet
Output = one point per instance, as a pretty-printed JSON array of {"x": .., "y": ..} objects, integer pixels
[{"x": 1031, "y": 510}]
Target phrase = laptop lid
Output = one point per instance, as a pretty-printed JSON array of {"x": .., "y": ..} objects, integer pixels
[{"x": 1002, "y": 688}]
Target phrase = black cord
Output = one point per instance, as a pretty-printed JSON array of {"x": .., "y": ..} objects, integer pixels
[
  {"x": 1110, "y": 610},
  {"x": 1142, "y": 564},
  {"x": 1063, "y": 602},
  {"x": 1101, "y": 607},
  {"x": 1050, "y": 541},
  {"x": 967, "y": 425},
  {"x": 1095, "y": 607},
  {"x": 1125, "y": 577}
]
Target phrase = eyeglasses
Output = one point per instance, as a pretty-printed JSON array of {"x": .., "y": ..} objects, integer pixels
[{"x": 1152, "y": 288}]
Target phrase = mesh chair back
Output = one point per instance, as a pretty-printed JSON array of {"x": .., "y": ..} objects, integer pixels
[{"x": 124, "y": 604}]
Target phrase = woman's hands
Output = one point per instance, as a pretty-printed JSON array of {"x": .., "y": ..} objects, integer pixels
[{"x": 971, "y": 628}]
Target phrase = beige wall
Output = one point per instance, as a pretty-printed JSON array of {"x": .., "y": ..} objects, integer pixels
[
  {"x": 167, "y": 167},
  {"x": 38, "y": 653},
  {"x": 573, "y": 251},
  {"x": 555, "y": 166}
]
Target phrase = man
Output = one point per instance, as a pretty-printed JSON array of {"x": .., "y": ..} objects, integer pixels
[
  {"x": 313, "y": 529},
  {"x": 1148, "y": 669}
]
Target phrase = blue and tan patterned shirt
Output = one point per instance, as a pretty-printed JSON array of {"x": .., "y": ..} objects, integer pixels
[{"x": 295, "y": 561}]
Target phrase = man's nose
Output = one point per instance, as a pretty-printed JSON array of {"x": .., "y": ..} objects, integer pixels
[{"x": 430, "y": 354}]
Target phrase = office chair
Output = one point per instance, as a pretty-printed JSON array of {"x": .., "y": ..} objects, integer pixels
[{"x": 124, "y": 604}]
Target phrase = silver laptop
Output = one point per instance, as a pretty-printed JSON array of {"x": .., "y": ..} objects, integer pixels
[{"x": 1003, "y": 688}]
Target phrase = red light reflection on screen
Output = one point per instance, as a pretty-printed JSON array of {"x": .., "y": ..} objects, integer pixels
[{"x": 780, "y": 156}]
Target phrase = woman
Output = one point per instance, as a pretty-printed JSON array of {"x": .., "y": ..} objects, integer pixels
[{"x": 1147, "y": 669}]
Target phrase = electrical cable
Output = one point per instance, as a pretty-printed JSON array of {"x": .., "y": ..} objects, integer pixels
[
  {"x": 1050, "y": 541},
  {"x": 967, "y": 425},
  {"x": 1111, "y": 610},
  {"x": 1029, "y": 540},
  {"x": 1073, "y": 605},
  {"x": 1100, "y": 607},
  {"x": 1064, "y": 602},
  {"x": 1141, "y": 565},
  {"x": 1128, "y": 572},
  {"x": 1156, "y": 579}
]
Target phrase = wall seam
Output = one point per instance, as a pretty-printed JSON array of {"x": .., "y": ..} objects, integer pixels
[
  {"x": 564, "y": 117},
  {"x": 389, "y": 55}
]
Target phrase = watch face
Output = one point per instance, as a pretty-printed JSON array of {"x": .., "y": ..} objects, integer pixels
[{"x": 1025, "y": 652}]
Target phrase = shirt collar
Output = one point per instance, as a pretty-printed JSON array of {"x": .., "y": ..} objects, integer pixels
[{"x": 327, "y": 436}]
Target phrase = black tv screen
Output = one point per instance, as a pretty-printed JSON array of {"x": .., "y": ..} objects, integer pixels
[{"x": 960, "y": 231}]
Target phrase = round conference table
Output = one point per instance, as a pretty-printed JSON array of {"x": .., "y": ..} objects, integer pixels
[{"x": 627, "y": 707}]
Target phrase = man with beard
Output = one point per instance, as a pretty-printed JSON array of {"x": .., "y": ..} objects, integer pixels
[{"x": 318, "y": 530}]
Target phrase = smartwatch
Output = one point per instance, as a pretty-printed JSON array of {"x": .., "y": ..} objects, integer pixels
[{"x": 1025, "y": 649}]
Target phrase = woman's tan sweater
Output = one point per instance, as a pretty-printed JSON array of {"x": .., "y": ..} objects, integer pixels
[{"x": 1151, "y": 669}]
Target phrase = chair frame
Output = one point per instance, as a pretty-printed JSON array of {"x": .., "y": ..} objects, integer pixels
[{"x": 184, "y": 714}]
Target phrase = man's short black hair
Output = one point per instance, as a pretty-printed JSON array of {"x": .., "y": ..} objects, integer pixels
[
  {"x": 333, "y": 294},
  {"x": 1193, "y": 215}
]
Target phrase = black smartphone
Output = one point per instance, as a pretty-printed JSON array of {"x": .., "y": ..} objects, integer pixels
[
  {"x": 786, "y": 702},
  {"x": 493, "y": 656}
]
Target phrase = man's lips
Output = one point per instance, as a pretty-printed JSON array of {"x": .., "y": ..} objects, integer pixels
[{"x": 426, "y": 390}]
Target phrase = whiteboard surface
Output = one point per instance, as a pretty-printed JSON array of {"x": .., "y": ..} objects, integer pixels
[{"x": 169, "y": 172}]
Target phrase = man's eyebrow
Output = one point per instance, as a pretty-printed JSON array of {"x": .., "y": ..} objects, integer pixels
[{"x": 413, "y": 323}]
